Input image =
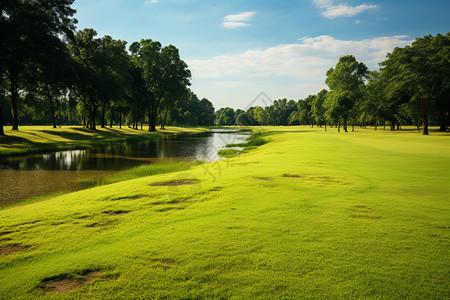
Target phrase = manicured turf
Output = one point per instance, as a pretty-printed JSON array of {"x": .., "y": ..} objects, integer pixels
[
  {"x": 310, "y": 214},
  {"x": 31, "y": 139}
]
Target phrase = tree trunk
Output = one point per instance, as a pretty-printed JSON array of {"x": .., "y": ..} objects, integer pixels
[
  {"x": 165, "y": 119},
  {"x": 59, "y": 113},
  {"x": 424, "y": 116},
  {"x": 14, "y": 103},
  {"x": 345, "y": 125},
  {"x": 149, "y": 112},
  {"x": 376, "y": 123},
  {"x": 325, "y": 126},
  {"x": 93, "y": 115},
  {"x": 111, "y": 117},
  {"x": 120, "y": 119},
  {"x": 103, "y": 115},
  {"x": 443, "y": 124},
  {"x": 52, "y": 106},
  {"x": 339, "y": 125},
  {"x": 1, "y": 121}
]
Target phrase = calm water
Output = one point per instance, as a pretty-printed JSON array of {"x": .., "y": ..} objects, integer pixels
[{"x": 23, "y": 177}]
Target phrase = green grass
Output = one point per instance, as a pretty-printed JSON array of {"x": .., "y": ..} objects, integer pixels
[
  {"x": 310, "y": 214},
  {"x": 31, "y": 139},
  {"x": 144, "y": 171}
]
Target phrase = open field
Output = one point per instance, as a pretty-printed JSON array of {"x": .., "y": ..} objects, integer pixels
[
  {"x": 46, "y": 138},
  {"x": 310, "y": 214}
]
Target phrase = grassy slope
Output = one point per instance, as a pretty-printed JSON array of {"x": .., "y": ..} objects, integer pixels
[
  {"x": 45, "y": 138},
  {"x": 368, "y": 217}
]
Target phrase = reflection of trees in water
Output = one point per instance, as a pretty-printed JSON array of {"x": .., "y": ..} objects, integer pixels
[{"x": 114, "y": 156}]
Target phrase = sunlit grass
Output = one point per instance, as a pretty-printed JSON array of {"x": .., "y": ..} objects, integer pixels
[
  {"x": 143, "y": 171},
  {"x": 310, "y": 214}
]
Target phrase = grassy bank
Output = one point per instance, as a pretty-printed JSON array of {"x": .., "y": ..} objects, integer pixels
[
  {"x": 31, "y": 139},
  {"x": 162, "y": 167},
  {"x": 307, "y": 215}
]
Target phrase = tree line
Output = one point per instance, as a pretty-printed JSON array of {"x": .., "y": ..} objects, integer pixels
[
  {"x": 51, "y": 71},
  {"x": 412, "y": 87}
]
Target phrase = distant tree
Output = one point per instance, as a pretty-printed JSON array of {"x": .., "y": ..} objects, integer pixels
[
  {"x": 346, "y": 83},
  {"x": 260, "y": 115},
  {"x": 305, "y": 115},
  {"x": 318, "y": 108},
  {"x": 293, "y": 118},
  {"x": 244, "y": 119},
  {"x": 225, "y": 117}
]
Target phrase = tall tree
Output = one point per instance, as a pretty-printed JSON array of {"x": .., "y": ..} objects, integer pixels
[
  {"x": 345, "y": 82},
  {"x": 421, "y": 71},
  {"x": 30, "y": 30},
  {"x": 87, "y": 80},
  {"x": 164, "y": 73}
]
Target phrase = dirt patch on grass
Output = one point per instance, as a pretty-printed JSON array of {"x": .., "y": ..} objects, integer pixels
[
  {"x": 264, "y": 178},
  {"x": 7, "y": 250},
  {"x": 173, "y": 207},
  {"x": 176, "y": 182},
  {"x": 360, "y": 209},
  {"x": 65, "y": 283},
  {"x": 292, "y": 176},
  {"x": 127, "y": 198},
  {"x": 368, "y": 217},
  {"x": 116, "y": 213}
]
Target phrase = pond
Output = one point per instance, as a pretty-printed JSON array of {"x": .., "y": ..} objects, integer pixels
[{"x": 24, "y": 177}]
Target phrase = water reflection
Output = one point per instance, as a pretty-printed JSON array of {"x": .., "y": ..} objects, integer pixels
[
  {"x": 124, "y": 155},
  {"x": 35, "y": 175}
]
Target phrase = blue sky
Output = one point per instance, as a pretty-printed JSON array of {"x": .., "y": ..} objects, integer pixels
[{"x": 238, "y": 49}]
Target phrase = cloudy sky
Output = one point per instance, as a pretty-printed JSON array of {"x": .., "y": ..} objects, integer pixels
[{"x": 238, "y": 49}]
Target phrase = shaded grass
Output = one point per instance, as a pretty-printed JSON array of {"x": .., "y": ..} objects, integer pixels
[{"x": 365, "y": 216}]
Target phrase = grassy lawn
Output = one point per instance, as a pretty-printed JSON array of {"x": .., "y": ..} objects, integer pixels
[
  {"x": 46, "y": 138},
  {"x": 310, "y": 214}
]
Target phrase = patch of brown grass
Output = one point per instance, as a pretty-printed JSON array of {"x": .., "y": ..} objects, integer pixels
[
  {"x": 10, "y": 249},
  {"x": 264, "y": 178},
  {"x": 64, "y": 283}
]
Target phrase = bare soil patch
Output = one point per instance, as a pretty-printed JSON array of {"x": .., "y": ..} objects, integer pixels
[
  {"x": 65, "y": 283},
  {"x": 292, "y": 176},
  {"x": 176, "y": 182},
  {"x": 116, "y": 213},
  {"x": 264, "y": 178},
  {"x": 7, "y": 250}
]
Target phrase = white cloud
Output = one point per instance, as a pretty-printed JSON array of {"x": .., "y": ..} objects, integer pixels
[
  {"x": 331, "y": 10},
  {"x": 149, "y": 2},
  {"x": 234, "y": 25},
  {"x": 238, "y": 20},
  {"x": 287, "y": 70}
]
